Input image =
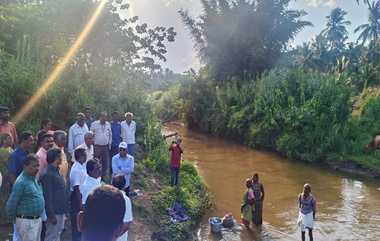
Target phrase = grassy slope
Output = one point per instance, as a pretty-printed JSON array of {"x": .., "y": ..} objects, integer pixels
[{"x": 152, "y": 176}]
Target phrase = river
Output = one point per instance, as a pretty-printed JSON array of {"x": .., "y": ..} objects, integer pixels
[{"x": 347, "y": 208}]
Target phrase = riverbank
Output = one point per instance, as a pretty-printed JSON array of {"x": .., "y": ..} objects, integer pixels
[
  {"x": 354, "y": 168},
  {"x": 346, "y": 204},
  {"x": 151, "y": 221},
  {"x": 364, "y": 166},
  {"x": 152, "y": 176},
  {"x": 302, "y": 115}
]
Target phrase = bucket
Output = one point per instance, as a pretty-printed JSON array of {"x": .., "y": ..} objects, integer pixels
[{"x": 215, "y": 224}]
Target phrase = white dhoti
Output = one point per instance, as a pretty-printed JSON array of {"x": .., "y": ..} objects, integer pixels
[{"x": 305, "y": 221}]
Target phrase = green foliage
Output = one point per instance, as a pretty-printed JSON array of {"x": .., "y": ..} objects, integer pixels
[
  {"x": 168, "y": 105},
  {"x": 336, "y": 32},
  {"x": 364, "y": 127},
  {"x": 165, "y": 79},
  {"x": 192, "y": 194},
  {"x": 113, "y": 65},
  {"x": 303, "y": 115},
  {"x": 370, "y": 32},
  {"x": 243, "y": 38},
  {"x": 328, "y": 52}
]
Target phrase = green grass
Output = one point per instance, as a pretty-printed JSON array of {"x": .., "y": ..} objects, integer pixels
[
  {"x": 370, "y": 161},
  {"x": 191, "y": 192}
]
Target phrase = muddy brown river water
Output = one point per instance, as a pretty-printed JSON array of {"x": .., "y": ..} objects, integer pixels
[{"x": 347, "y": 208}]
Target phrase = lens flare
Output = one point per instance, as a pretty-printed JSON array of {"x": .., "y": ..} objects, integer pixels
[{"x": 61, "y": 66}]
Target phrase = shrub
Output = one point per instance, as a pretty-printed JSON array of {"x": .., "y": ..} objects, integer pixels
[{"x": 301, "y": 114}]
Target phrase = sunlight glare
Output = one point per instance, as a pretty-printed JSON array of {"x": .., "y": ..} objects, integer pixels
[{"x": 61, "y": 66}]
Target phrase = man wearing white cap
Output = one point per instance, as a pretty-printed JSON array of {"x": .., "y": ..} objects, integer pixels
[{"x": 124, "y": 164}]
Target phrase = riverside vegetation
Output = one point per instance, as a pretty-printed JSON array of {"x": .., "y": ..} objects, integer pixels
[
  {"x": 114, "y": 71},
  {"x": 318, "y": 102}
]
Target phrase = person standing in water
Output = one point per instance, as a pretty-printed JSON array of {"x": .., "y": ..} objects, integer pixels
[
  {"x": 258, "y": 191},
  {"x": 307, "y": 206},
  {"x": 247, "y": 207}
]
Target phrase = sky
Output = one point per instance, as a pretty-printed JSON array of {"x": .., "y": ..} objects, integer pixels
[{"x": 181, "y": 55}]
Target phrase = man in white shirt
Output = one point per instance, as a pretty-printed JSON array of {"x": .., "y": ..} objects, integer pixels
[
  {"x": 124, "y": 164},
  {"x": 78, "y": 175},
  {"x": 128, "y": 132},
  {"x": 88, "y": 145},
  {"x": 76, "y": 133},
  {"x": 118, "y": 181},
  {"x": 102, "y": 141},
  {"x": 92, "y": 181}
]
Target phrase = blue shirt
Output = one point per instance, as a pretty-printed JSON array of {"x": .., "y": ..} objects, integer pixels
[
  {"x": 307, "y": 205},
  {"x": 116, "y": 133},
  {"x": 16, "y": 161},
  {"x": 124, "y": 166}
]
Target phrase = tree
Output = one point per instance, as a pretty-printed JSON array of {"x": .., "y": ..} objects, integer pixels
[
  {"x": 243, "y": 38},
  {"x": 115, "y": 62},
  {"x": 370, "y": 31},
  {"x": 336, "y": 32},
  {"x": 54, "y": 25}
]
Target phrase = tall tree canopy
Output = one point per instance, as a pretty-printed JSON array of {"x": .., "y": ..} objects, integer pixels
[
  {"x": 115, "y": 62},
  {"x": 370, "y": 32},
  {"x": 336, "y": 30},
  {"x": 243, "y": 38},
  {"x": 51, "y": 26}
]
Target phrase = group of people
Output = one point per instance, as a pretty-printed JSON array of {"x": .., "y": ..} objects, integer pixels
[
  {"x": 64, "y": 178},
  {"x": 252, "y": 206}
]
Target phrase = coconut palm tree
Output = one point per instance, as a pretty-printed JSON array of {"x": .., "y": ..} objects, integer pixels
[
  {"x": 336, "y": 32},
  {"x": 370, "y": 32}
]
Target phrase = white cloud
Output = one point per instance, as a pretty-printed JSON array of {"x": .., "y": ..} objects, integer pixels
[
  {"x": 319, "y": 3},
  {"x": 331, "y": 3},
  {"x": 313, "y": 3}
]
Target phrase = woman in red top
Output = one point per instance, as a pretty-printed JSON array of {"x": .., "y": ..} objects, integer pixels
[{"x": 175, "y": 161}]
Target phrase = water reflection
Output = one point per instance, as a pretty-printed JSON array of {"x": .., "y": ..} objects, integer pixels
[{"x": 347, "y": 209}]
